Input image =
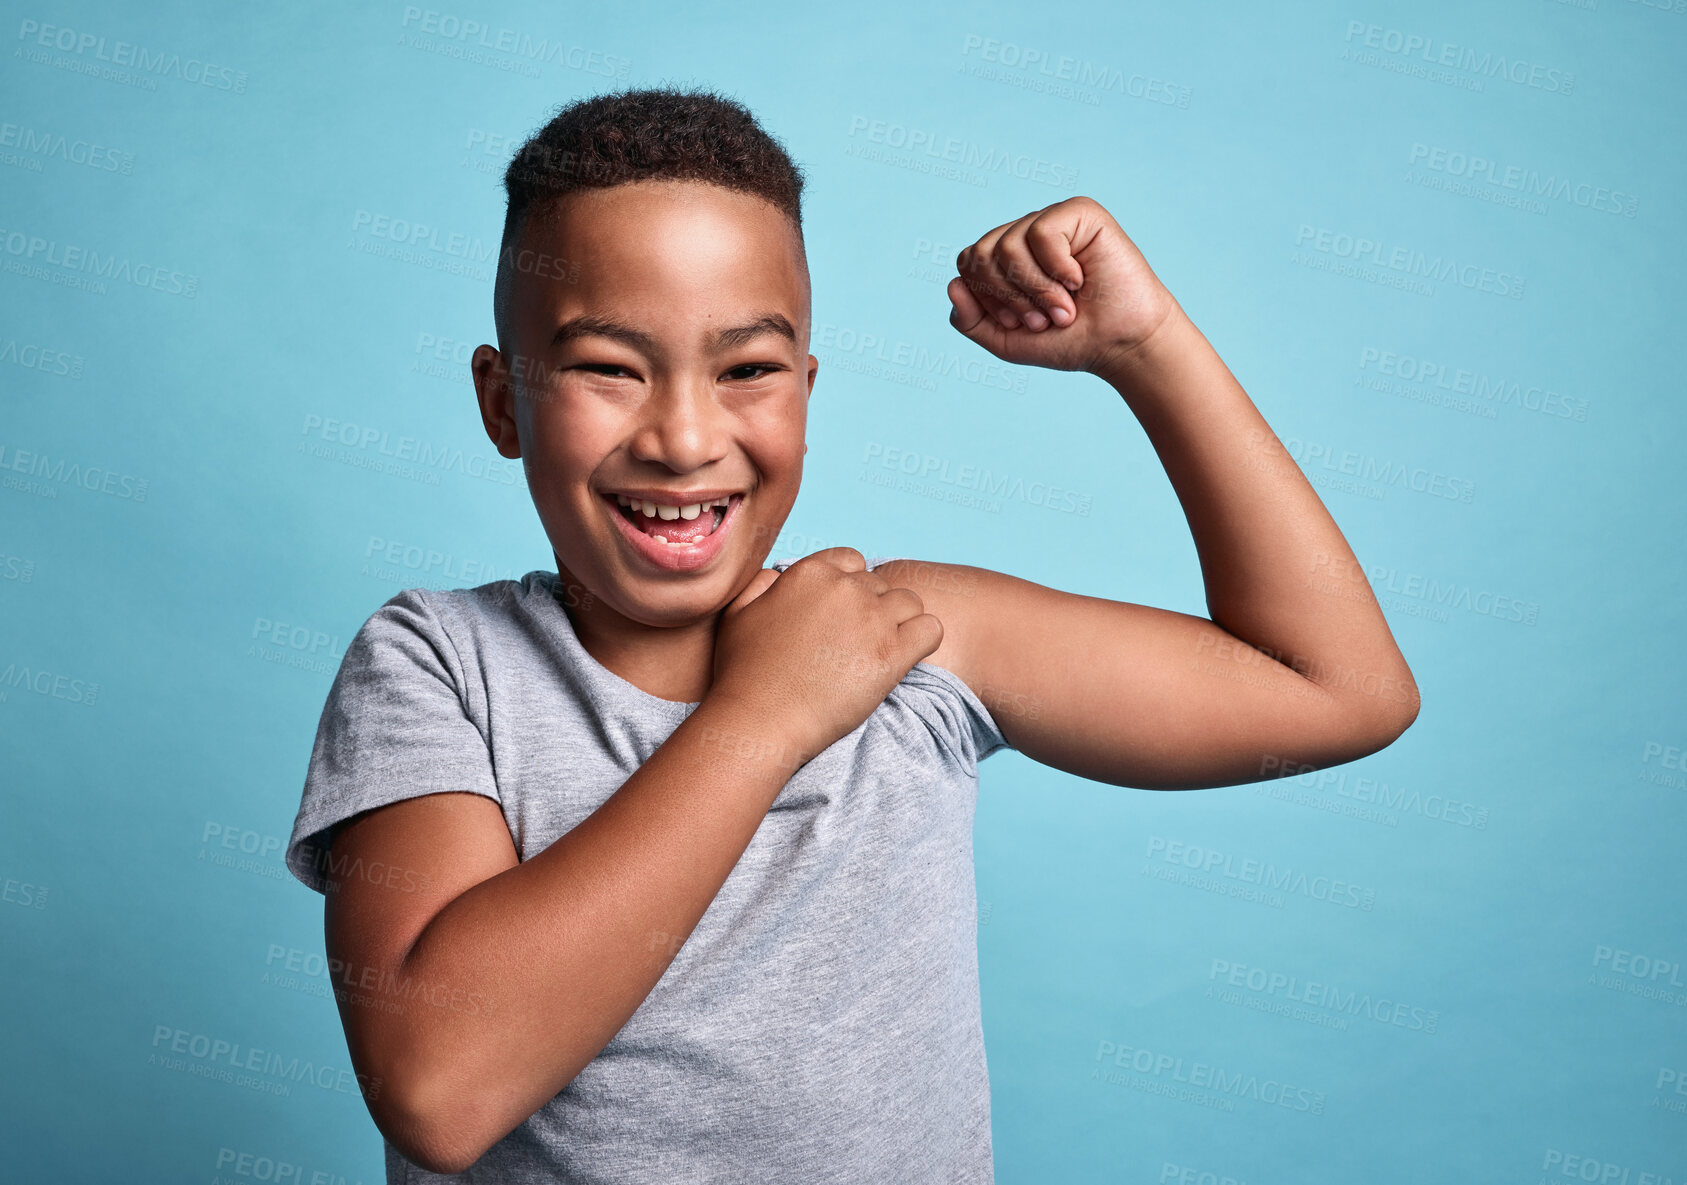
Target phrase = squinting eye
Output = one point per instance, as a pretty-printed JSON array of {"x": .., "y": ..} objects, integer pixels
[
  {"x": 605, "y": 368},
  {"x": 738, "y": 371}
]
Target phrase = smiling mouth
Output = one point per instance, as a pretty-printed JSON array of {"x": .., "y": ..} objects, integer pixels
[{"x": 679, "y": 530}]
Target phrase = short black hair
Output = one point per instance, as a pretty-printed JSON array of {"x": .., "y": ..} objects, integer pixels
[{"x": 646, "y": 134}]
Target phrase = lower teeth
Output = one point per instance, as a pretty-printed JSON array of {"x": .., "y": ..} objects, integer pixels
[{"x": 720, "y": 517}]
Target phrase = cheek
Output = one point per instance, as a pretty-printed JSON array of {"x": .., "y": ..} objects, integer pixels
[
  {"x": 777, "y": 450},
  {"x": 779, "y": 424},
  {"x": 568, "y": 436}
]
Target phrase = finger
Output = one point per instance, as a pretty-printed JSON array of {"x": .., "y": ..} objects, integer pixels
[
  {"x": 1021, "y": 268},
  {"x": 904, "y": 603},
  {"x": 923, "y": 634},
  {"x": 1004, "y": 271},
  {"x": 996, "y": 290},
  {"x": 1051, "y": 244},
  {"x": 976, "y": 266},
  {"x": 972, "y": 321},
  {"x": 842, "y": 557},
  {"x": 988, "y": 297}
]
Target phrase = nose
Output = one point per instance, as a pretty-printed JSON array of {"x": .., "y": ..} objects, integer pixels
[{"x": 682, "y": 426}]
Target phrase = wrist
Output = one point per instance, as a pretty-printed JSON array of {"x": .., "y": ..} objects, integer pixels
[
  {"x": 1125, "y": 365},
  {"x": 750, "y": 734}
]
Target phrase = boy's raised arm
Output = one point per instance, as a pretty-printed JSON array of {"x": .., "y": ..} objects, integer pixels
[{"x": 1297, "y": 666}]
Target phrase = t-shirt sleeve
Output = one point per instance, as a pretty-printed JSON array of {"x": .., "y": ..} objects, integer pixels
[
  {"x": 965, "y": 718},
  {"x": 394, "y": 727},
  {"x": 966, "y": 725},
  {"x": 958, "y": 717}
]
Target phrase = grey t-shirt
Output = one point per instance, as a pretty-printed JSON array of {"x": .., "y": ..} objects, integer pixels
[{"x": 821, "y": 1023}]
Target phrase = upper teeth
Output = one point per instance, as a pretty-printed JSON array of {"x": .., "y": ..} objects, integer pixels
[{"x": 662, "y": 510}]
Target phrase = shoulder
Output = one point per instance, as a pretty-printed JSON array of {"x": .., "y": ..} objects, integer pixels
[
  {"x": 453, "y": 619},
  {"x": 950, "y": 592},
  {"x": 969, "y": 601},
  {"x": 955, "y": 595},
  {"x": 461, "y": 606}
]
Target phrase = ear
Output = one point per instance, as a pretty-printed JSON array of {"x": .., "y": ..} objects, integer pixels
[{"x": 496, "y": 395}]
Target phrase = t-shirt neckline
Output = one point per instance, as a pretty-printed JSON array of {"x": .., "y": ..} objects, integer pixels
[
  {"x": 614, "y": 684},
  {"x": 599, "y": 674}
]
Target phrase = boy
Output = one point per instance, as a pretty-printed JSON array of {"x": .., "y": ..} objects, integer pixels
[{"x": 659, "y": 867}]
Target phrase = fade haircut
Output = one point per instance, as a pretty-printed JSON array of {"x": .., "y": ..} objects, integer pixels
[{"x": 651, "y": 134}]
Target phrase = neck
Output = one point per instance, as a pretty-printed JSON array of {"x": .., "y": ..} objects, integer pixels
[{"x": 669, "y": 662}]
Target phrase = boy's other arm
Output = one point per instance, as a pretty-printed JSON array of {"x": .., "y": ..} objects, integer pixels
[{"x": 477, "y": 997}]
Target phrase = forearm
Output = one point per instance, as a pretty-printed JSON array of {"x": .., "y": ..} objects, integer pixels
[
  {"x": 1278, "y": 573},
  {"x": 567, "y": 945}
]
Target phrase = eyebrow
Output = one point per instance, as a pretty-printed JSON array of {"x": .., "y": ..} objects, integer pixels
[
  {"x": 590, "y": 325},
  {"x": 739, "y": 335}
]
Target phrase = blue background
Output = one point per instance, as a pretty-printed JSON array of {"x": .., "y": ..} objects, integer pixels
[{"x": 190, "y": 533}]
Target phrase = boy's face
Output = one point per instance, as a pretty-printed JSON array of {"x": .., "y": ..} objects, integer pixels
[{"x": 648, "y": 327}]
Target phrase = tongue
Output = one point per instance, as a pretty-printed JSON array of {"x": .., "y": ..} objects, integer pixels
[{"x": 677, "y": 530}]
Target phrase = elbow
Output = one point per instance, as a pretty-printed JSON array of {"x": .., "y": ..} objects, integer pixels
[
  {"x": 1387, "y": 724},
  {"x": 1409, "y": 704},
  {"x": 433, "y": 1125},
  {"x": 436, "y": 1158},
  {"x": 446, "y": 1164},
  {"x": 440, "y": 1159}
]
